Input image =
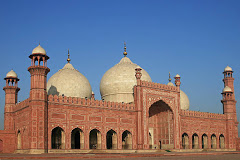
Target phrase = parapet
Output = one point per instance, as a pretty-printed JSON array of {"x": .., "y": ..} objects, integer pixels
[
  {"x": 21, "y": 105},
  {"x": 158, "y": 86},
  {"x": 63, "y": 100},
  {"x": 198, "y": 114}
]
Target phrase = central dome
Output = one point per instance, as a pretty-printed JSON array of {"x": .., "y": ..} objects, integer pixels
[
  {"x": 69, "y": 82},
  {"x": 118, "y": 82}
]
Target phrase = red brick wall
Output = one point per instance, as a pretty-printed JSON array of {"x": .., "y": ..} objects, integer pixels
[
  {"x": 22, "y": 121},
  {"x": 203, "y": 123},
  {"x": 238, "y": 144},
  {"x": 7, "y": 144},
  {"x": 69, "y": 117}
]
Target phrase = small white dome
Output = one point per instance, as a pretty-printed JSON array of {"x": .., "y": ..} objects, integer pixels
[
  {"x": 39, "y": 50},
  {"x": 11, "y": 74},
  {"x": 118, "y": 82},
  {"x": 227, "y": 89},
  {"x": 170, "y": 84},
  {"x": 69, "y": 82},
  {"x": 227, "y": 69},
  {"x": 184, "y": 101},
  {"x": 177, "y": 75}
]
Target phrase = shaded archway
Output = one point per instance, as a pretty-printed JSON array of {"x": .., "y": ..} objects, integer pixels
[
  {"x": 77, "y": 139},
  {"x": 195, "y": 141},
  {"x": 58, "y": 138},
  {"x": 111, "y": 139},
  {"x": 1, "y": 146},
  {"x": 213, "y": 141},
  {"x": 204, "y": 141},
  {"x": 19, "y": 140},
  {"x": 161, "y": 122},
  {"x": 126, "y": 140},
  {"x": 221, "y": 141},
  {"x": 185, "y": 141},
  {"x": 95, "y": 139}
]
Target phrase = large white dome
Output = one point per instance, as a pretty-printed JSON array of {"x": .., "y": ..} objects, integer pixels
[
  {"x": 69, "y": 82},
  {"x": 118, "y": 82}
]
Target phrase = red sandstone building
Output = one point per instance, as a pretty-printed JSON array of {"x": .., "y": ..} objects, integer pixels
[{"x": 62, "y": 115}]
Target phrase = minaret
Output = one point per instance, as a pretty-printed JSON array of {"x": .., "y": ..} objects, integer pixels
[
  {"x": 38, "y": 101},
  {"x": 229, "y": 108},
  {"x": 11, "y": 95}
]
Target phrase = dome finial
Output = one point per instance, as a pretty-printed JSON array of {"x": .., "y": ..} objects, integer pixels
[
  {"x": 68, "y": 57},
  {"x": 169, "y": 79},
  {"x": 125, "y": 50}
]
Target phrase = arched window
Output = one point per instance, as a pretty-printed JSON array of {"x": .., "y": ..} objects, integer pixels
[
  {"x": 111, "y": 139},
  {"x": 204, "y": 141},
  {"x": 185, "y": 141},
  {"x": 77, "y": 139},
  {"x": 95, "y": 139},
  {"x": 126, "y": 140},
  {"x": 213, "y": 141},
  {"x": 58, "y": 138},
  {"x": 221, "y": 141}
]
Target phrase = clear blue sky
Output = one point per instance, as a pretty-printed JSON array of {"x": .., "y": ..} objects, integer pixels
[{"x": 196, "y": 39}]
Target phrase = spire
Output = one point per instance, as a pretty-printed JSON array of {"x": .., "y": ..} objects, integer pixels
[
  {"x": 169, "y": 79},
  {"x": 68, "y": 57},
  {"x": 125, "y": 50}
]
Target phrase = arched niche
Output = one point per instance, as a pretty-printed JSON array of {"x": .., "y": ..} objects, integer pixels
[
  {"x": 213, "y": 141},
  {"x": 185, "y": 141},
  {"x": 19, "y": 140},
  {"x": 204, "y": 141},
  {"x": 195, "y": 139},
  {"x": 58, "y": 138},
  {"x": 95, "y": 139},
  {"x": 77, "y": 139},
  {"x": 111, "y": 139},
  {"x": 1, "y": 146},
  {"x": 221, "y": 141},
  {"x": 127, "y": 140}
]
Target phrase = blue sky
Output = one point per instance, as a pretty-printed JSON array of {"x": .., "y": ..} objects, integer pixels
[{"x": 196, "y": 39}]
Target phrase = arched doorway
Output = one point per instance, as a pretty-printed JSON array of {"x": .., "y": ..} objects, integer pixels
[
  {"x": 19, "y": 140},
  {"x": 111, "y": 139},
  {"x": 161, "y": 123},
  {"x": 213, "y": 141},
  {"x": 58, "y": 138},
  {"x": 77, "y": 139},
  {"x": 127, "y": 140},
  {"x": 204, "y": 141},
  {"x": 195, "y": 141},
  {"x": 95, "y": 139},
  {"x": 185, "y": 141},
  {"x": 1, "y": 146},
  {"x": 221, "y": 142}
]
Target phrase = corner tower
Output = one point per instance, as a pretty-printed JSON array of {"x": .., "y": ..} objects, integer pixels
[
  {"x": 11, "y": 96},
  {"x": 38, "y": 101},
  {"x": 229, "y": 108}
]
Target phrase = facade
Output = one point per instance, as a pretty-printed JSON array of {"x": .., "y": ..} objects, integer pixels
[{"x": 62, "y": 115}]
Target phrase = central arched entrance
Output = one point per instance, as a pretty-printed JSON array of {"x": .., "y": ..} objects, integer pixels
[{"x": 161, "y": 126}]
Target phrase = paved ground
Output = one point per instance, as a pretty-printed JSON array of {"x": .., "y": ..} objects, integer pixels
[{"x": 133, "y": 156}]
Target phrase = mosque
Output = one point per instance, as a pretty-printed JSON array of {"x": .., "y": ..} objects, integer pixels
[{"x": 135, "y": 114}]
